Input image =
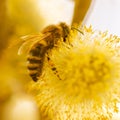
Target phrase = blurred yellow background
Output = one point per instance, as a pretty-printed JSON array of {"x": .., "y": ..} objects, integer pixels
[{"x": 23, "y": 17}]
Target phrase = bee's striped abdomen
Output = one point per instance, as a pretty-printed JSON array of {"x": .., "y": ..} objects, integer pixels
[
  {"x": 35, "y": 66},
  {"x": 35, "y": 61}
]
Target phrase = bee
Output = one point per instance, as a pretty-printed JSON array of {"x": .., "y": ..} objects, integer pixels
[{"x": 40, "y": 45}]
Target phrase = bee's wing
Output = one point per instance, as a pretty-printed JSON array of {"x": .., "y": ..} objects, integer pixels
[
  {"x": 22, "y": 40},
  {"x": 29, "y": 41}
]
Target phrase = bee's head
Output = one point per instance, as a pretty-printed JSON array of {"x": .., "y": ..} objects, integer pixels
[{"x": 65, "y": 30}]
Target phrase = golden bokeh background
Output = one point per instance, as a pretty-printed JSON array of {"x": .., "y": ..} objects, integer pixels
[{"x": 23, "y": 17}]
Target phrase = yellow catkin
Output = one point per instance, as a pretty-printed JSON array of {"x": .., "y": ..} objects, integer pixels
[{"x": 89, "y": 70}]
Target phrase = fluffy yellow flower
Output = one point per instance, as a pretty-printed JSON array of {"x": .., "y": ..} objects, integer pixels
[{"x": 88, "y": 84}]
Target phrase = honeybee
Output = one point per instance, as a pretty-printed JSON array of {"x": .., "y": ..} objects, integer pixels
[{"x": 40, "y": 45}]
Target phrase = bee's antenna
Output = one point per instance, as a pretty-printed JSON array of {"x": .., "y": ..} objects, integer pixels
[{"x": 77, "y": 30}]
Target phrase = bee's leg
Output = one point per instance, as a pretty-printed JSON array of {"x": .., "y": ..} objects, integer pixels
[
  {"x": 42, "y": 75},
  {"x": 53, "y": 68},
  {"x": 67, "y": 42}
]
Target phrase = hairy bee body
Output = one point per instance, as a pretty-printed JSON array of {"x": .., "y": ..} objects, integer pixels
[{"x": 51, "y": 35}]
